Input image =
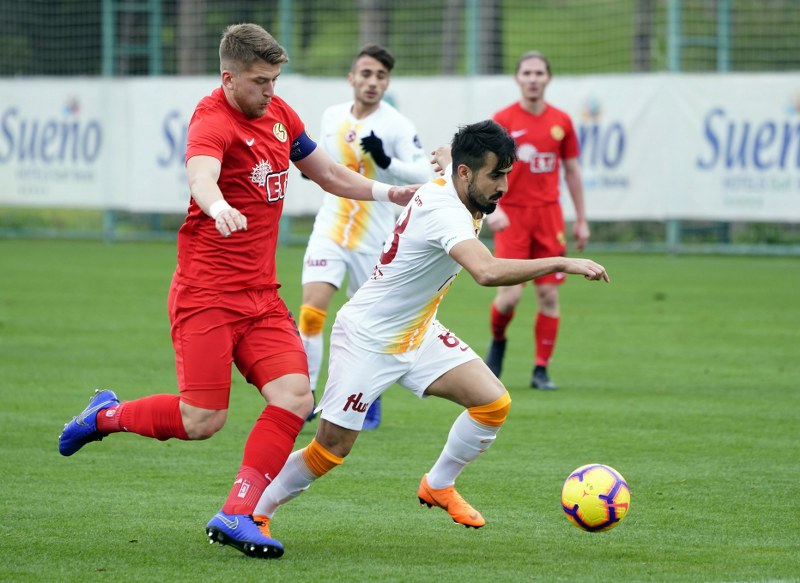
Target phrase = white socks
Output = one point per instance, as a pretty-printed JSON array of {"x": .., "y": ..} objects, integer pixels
[
  {"x": 293, "y": 480},
  {"x": 467, "y": 440},
  {"x": 314, "y": 346}
]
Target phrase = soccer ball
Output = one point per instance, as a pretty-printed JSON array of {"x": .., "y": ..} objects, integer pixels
[{"x": 595, "y": 497}]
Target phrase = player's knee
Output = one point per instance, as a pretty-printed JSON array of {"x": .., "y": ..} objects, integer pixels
[
  {"x": 306, "y": 405},
  {"x": 205, "y": 425},
  {"x": 492, "y": 414},
  {"x": 311, "y": 320}
]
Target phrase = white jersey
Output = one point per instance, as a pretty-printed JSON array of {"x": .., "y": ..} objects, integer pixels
[
  {"x": 362, "y": 226},
  {"x": 391, "y": 312}
]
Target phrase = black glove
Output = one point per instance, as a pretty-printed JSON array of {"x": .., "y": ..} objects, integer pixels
[{"x": 373, "y": 145}]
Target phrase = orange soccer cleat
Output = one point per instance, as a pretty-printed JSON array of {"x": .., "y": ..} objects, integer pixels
[
  {"x": 262, "y": 522},
  {"x": 450, "y": 500}
]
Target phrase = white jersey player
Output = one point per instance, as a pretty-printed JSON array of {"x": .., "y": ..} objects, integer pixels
[
  {"x": 388, "y": 332},
  {"x": 371, "y": 137}
]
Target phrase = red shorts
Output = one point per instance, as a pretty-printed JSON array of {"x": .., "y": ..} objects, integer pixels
[
  {"x": 533, "y": 233},
  {"x": 210, "y": 329}
]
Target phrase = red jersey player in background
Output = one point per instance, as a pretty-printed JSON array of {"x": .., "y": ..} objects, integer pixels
[
  {"x": 530, "y": 223},
  {"x": 223, "y": 303}
]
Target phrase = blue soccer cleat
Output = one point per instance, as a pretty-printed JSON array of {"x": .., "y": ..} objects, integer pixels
[
  {"x": 83, "y": 428},
  {"x": 242, "y": 532},
  {"x": 373, "y": 417}
]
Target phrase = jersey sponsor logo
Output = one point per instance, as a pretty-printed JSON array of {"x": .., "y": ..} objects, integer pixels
[
  {"x": 354, "y": 401},
  {"x": 557, "y": 132},
  {"x": 538, "y": 162},
  {"x": 316, "y": 262},
  {"x": 274, "y": 182},
  {"x": 250, "y": 142},
  {"x": 517, "y": 133},
  {"x": 280, "y": 132}
]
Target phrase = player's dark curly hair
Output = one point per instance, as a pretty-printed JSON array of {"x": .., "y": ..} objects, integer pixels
[
  {"x": 377, "y": 52},
  {"x": 244, "y": 44},
  {"x": 473, "y": 142}
]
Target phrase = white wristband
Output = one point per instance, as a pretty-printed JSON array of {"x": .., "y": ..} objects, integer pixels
[
  {"x": 380, "y": 191},
  {"x": 217, "y": 207}
]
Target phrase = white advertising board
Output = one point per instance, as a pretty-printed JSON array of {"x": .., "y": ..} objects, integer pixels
[{"x": 653, "y": 147}]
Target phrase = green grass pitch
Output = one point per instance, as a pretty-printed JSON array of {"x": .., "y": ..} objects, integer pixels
[{"x": 682, "y": 374}]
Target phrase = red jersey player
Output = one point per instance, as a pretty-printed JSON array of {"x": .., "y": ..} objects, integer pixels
[
  {"x": 223, "y": 304},
  {"x": 530, "y": 223}
]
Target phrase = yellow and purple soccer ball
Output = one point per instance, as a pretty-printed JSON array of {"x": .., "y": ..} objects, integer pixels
[{"x": 595, "y": 497}]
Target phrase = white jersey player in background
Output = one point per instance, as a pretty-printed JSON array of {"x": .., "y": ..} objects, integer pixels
[
  {"x": 388, "y": 332},
  {"x": 371, "y": 137}
]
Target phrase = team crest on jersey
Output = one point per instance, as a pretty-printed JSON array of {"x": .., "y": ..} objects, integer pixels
[
  {"x": 260, "y": 173},
  {"x": 557, "y": 132},
  {"x": 350, "y": 136},
  {"x": 280, "y": 132}
]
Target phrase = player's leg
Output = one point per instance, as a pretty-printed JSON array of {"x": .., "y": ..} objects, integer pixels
[
  {"x": 203, "y": 338},
  {"x": 343, "y": 408},
  {"x": 325, "y": 266},
  {"x": 545, "y": 332},
  {"x": 360, "y": 267},
  {"x": 451, "y": 370},
  {"x": 311, "y": 323},
  {"x": 326, "y": 451},
  {"x": 549, "y": 241},
  {"x": 270, "y": 356},
  {"x": 510, "y": 243}
]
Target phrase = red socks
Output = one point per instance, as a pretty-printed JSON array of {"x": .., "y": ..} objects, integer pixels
[
  {"x": 499, "y": 322},
  {"x": 545, "y": 332},
  {"x": 269, "y": 444},
  {"x": 157, "y": 416}
]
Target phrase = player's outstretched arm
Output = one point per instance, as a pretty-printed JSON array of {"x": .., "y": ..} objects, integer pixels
[
  {"x": 488, "y": 270},
  {"x": 203, "y": 173},
  {"x": 341, "y": 181}
]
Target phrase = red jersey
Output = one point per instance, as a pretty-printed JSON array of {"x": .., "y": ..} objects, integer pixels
[
  {"x": 542, "y": 142},
  {"x": 255, "y": 155}
]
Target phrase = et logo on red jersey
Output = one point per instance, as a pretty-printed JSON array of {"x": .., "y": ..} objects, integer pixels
[{"x": 273, "y": 182}]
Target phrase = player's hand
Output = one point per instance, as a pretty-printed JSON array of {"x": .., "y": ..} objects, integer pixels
[
  {"x": 402, "y": 194},
  {"x": 581, "y": 232},
  {"x": 373, "y": 146},
  {"x": 498, "y": 220},
  {"x": 587, "y": 268},
  {"x": 440, "y": 158},
  {"x": 229, "y": 221}
]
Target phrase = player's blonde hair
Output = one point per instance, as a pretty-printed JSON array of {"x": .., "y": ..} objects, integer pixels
[{"x": 244, "y": 44}]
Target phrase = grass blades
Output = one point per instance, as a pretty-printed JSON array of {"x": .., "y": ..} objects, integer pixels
[{"x": 682, "y": 374}]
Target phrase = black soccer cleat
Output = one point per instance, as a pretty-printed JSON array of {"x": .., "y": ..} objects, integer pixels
[
  {"x": 494, "y": 358},
  {"x": 540, "y": 380}
]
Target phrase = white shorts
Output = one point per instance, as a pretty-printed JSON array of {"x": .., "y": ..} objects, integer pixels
[
  {"x": 356, "y": 377},
  {"x": 329, "y": 262}
]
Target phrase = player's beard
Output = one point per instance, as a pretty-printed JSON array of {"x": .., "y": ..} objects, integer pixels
[{"x": 487, "y": 207}]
